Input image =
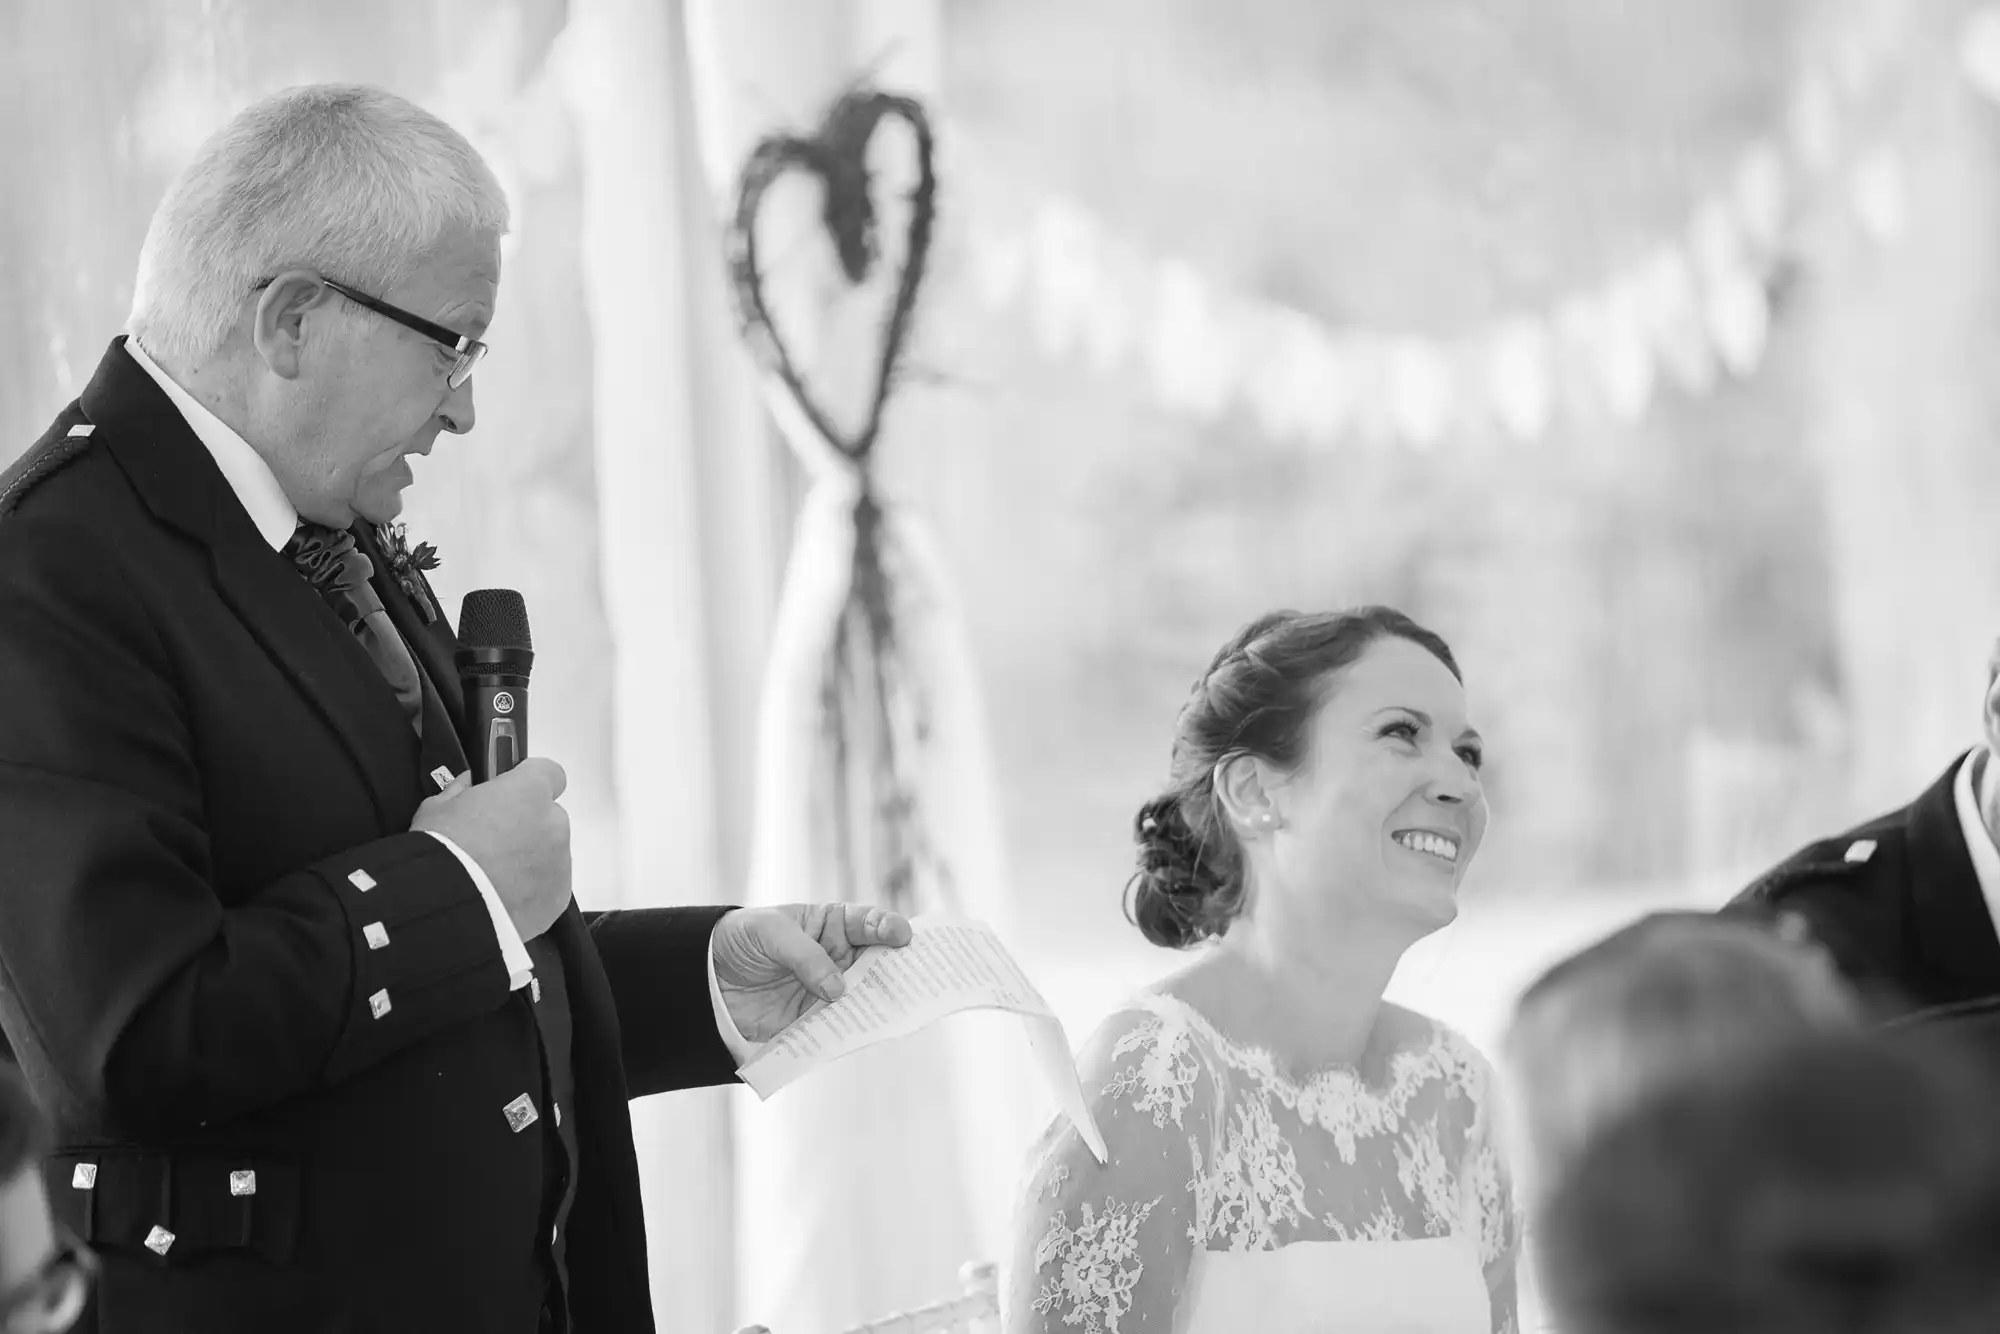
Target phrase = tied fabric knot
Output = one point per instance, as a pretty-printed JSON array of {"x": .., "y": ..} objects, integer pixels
[{"x": 339, "y": 572}]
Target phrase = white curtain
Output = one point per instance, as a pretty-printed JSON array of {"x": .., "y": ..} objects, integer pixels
[
  {"x": 689, "y": 562},
  {"x": 862, "y": 1189}
]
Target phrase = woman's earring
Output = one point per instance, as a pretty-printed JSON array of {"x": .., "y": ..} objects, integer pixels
[{"x": 1266, "y": 820}]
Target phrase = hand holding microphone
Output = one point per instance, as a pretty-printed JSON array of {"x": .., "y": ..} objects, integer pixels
[
  {"x": 503, "y": 811},
  {"x": 519, "y": 835}
]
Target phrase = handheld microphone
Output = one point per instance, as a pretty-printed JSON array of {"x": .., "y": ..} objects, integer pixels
[{"x": 495, "y": 654}]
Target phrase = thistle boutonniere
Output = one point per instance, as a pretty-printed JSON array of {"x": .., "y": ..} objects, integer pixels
[{"x": 407, "y": 566}]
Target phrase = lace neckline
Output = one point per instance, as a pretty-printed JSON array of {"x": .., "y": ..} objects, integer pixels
[{"x": 1259, "y": 1060}]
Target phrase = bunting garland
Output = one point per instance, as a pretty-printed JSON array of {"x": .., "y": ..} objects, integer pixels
[{"x": 1692, "y": 313}]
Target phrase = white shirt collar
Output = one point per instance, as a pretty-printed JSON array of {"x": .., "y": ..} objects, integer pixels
[
  {"x": 255, "y": 485},
  {"x": 1978, "y": 839}
]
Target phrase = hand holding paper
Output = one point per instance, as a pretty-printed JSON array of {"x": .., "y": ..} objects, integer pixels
[
  {"x": 951, "y": 964},
  {"x": 773, "y": 964}
]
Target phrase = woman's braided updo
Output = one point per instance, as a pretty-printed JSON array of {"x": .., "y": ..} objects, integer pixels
[{"x": 1258, "y": 697}]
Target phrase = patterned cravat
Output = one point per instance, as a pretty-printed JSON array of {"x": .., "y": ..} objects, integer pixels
[{"x": 330, "y": 563}]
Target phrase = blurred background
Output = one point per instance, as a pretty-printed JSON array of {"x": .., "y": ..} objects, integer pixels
[{"x": 1643, "y": 349}]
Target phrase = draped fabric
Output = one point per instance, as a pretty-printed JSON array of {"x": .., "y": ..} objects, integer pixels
[
  {"x": 680, "y": 562},
  {"x": 863, "y": 1188}
]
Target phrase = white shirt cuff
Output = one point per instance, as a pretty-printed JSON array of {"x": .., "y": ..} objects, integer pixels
[
  {"x": 740, "y": 1047},
  {"x": 512, "y": 952}
]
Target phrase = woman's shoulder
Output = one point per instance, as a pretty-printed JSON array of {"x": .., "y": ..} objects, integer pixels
[
  {"x": 1149, "y": 1091},
  {"x": 1439, "y": 1049},
  {"x": 1152, "y": 1055},
  {"x": 1173, "y": 1012}
]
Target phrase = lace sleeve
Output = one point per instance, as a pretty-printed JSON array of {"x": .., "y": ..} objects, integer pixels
[
  {"x": 1491, "y": 1188},
  {"x": 1104, "y": 1248}
]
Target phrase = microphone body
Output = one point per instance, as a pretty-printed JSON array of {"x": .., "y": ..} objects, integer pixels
[{"x": 494, "y": 656}]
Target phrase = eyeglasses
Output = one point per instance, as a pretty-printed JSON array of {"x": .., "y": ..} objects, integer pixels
[
  {"x": 469, "y": 350},
  {"x": 50, "y": 1300}
]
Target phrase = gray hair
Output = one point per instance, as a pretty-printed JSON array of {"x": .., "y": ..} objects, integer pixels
[{"x": 351, "y": 181}]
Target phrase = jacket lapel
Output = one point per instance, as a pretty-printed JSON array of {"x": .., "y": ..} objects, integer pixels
[
  {"x": 1953, "y": 923},
  {"x": 176, "y": 477}
]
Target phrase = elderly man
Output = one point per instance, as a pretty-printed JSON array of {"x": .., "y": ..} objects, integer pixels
[
  {"x": 326, "y": 1042},
  {"x": 1907, "y": 903}
]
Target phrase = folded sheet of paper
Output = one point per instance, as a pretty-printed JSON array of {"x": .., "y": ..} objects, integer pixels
[{"x": 951, "y": 964}]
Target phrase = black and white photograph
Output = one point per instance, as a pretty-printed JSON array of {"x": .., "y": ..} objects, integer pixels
[{"x": 999, "y": 667}]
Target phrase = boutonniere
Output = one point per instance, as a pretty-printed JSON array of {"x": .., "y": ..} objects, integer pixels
[{"x": 407, "y": 566}]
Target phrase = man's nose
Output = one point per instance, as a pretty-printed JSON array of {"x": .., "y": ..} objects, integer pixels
[{"x": 457, "y": 413}]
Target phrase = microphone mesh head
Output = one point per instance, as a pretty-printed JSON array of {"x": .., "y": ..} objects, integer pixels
[{"x": 494, "y": 618}]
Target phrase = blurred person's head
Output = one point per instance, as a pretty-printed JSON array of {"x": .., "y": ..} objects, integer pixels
[
  {"x": 314, "y": 189},
  {"x": 1845, "y": 1183},
  {"x": 1324, "y": 770},
  {"x": 44, "y": 1272},
  {"x": 1672, "y": 992}
]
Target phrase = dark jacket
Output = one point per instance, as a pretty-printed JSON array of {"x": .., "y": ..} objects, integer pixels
[
  {"x": 1896, "y": 903},
  {"x": 206, "y": 790}
]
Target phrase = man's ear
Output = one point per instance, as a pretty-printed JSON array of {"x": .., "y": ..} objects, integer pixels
[
  {"x": 277, "y": 323},
  {"x": 1243, "y": 784},
  {"x": 1989, "y": 713}
]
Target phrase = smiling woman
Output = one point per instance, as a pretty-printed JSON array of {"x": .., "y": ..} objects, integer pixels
[
  {"x": 1288, "y": 1151},
  {"x": 1250, "y": 731}
]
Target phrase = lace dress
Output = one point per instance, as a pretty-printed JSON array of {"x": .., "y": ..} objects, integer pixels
[{"x": 1237, "y": 1199}]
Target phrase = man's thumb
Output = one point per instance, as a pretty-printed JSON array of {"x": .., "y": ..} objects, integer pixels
[{"x": 808, "y": 962}]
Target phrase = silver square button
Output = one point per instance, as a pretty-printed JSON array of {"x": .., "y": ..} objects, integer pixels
[
  {"x": 158, "y": 1240},
  {"x": 84, "y": 1178},
  {"x": 378, "y": 1004},
  {"x": 520, "y": 1113},
  {"x": 242, "y": 1183},
  {"x": 361, "y": 880},
  {"x": 376, "y": 935}
]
